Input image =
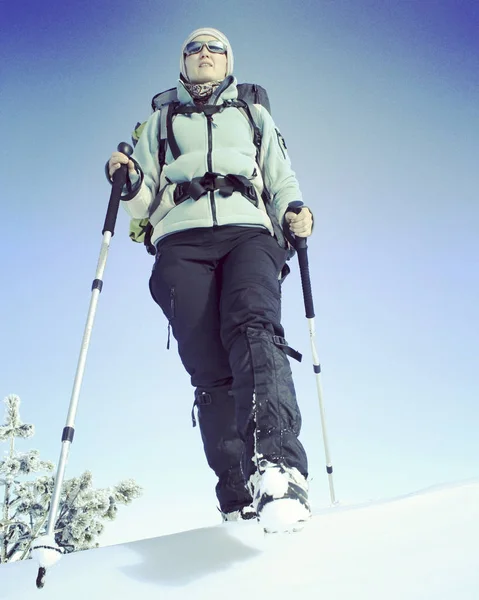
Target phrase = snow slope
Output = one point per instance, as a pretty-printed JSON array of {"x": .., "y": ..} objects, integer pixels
[{"x": 421, "y": 547}]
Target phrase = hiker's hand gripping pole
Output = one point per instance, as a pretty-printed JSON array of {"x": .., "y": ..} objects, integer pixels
[
  {"x": 119, "y": 180},
  {"x": 300, "y": 244},
  {"x": 44, "y": 548}
]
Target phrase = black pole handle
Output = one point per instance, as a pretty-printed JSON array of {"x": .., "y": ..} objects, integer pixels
[
  {"x": 119, "y": 180},
  {"x": 301, "y": 246}
]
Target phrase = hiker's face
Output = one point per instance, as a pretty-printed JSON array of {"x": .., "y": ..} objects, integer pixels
[{"x": 205, "y": 66}]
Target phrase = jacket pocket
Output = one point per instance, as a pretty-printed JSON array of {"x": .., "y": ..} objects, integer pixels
[
  {"x": 166, "y": 299},
  {"x": 163, "y": 203}
]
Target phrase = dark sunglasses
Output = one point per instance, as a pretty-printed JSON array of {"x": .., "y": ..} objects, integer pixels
[{"x": 214, "y": 46}]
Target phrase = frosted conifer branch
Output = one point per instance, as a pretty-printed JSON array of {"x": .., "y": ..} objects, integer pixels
[
  {"x": 26, "y": 503},
  {"x": 24, "y": 464},
  {"x": 14, "y": 427},
  {"x": 126, "y": 491}
]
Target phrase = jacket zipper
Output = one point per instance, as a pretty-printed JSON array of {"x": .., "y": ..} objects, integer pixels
[
  {"x": 172, "y": 303},
  {"x": 209, "y": 120},
  {"x": 171, "y": 316}
]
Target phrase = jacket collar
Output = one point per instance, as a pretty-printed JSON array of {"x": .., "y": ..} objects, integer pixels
[{"x": 226, "y": 91}]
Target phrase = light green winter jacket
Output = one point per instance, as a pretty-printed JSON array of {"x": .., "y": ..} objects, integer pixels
[{"x": 224, "y": 145}]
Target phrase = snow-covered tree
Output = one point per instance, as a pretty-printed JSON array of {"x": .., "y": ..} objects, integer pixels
[{"x": 26, "y": 502}]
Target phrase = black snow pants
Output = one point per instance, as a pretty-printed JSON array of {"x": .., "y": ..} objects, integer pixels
[{"x": 220, "y": 291}]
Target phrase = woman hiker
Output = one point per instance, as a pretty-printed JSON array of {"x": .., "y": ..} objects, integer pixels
[{"x": 217, "y": 278}]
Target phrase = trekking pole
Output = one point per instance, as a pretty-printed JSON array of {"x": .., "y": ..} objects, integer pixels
[
  {"x": 45, "y": 548},
  {"x": 301, "y": 246}
]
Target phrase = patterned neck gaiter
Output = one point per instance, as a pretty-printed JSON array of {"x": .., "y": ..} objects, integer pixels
[{"x": 201, "y": 92}]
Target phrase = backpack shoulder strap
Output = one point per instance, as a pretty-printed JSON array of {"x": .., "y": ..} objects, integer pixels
[
  {"x": 248, "y": 95},
  {"x": 165, "y": 103},
  {"x": 141, "y": 229},
  {"x": 166, "y": 131}
]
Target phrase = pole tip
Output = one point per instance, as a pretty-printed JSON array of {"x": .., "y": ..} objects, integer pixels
[
  {"x": 47, "y": 552},
  {"x": 41, "y": 577}
]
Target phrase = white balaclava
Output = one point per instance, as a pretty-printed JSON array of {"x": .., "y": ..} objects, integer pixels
[{"x": 219, "y": 36}]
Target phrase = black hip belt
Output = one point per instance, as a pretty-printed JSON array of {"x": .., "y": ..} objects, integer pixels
[{"x": 226, "y": 185}]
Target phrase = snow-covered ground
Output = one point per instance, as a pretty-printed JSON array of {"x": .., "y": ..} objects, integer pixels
[{"x": 421, "y": 547}]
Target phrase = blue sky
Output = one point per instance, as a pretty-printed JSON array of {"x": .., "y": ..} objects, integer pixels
[{"x": 379, "y": 106}]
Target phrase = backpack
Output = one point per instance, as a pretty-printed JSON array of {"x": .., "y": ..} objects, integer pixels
[{"x": 167, "y": 102}]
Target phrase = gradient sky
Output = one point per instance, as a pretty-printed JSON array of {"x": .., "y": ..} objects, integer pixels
[{"x": 379, "y": 106}]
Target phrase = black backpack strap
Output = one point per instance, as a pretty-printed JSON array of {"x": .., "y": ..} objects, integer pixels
[
  {"x": 148, "y": 245},
  {"x": 225, "y": 184},
  {"x": 175, "y": 108},
  {"x": 162, "y": 144},
  {"x": 208, "y": 109},
  {"x": 172, "y": 110},
  {"x": 245, "y": 108},
  {"x": 162, "y": 136}
]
